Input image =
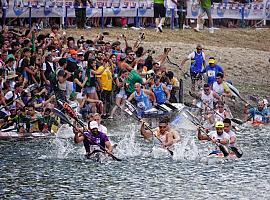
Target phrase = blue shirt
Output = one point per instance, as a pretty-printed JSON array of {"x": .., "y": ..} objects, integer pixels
[
  {"x": 212, "y": 72},
  {"x": 259, "y": 116}
]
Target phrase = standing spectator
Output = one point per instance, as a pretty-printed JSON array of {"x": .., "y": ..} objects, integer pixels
[
  {"x": 159, "y": 14},
  {"x": 105, "y": 79},
  {"x": 205, "y": 7},
  {"x": 80, "y": 13},
  {"x": 71, "y": 67}
]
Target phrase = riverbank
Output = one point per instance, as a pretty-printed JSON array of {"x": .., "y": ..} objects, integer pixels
[{"x": 243, "y": 53}]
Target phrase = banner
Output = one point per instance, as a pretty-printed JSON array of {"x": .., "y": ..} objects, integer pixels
[
  {"x": 61, "y": 8},
  {"x": 131, "y": 8},
  {"x": 252, "y": 11}
]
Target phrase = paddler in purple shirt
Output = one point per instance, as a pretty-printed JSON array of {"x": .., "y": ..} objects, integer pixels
[{"x": 93, "y": 140}]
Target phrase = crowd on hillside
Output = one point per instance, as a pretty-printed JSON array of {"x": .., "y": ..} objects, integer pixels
[{"x": 37, "y": 69}]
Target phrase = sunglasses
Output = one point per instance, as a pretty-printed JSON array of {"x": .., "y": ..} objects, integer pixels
[{"x": 162, "y": 126}]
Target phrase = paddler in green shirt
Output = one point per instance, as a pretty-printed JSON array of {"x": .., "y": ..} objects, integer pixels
[{"x": 205, "y": 7}]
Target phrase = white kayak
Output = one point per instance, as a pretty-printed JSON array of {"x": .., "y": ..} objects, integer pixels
[{"x": 15, "y": 134}]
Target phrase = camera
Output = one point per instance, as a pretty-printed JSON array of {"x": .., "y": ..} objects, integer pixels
[
  {"x": 151, "y": 51},
  {"x": 152, "y": 75},
  {"x": 167, "y": 49}
]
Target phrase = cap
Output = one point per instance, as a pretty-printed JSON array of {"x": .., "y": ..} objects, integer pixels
[
  {"x": 219, "y": 125},
  {"x": 93, "y": 124},
  {"x": 80, "y": 53},
  {"x": 73, "y": 52},
  {"x": 211, "y": 60}
]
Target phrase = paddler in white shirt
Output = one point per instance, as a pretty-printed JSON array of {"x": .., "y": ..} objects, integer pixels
[{"x": 217, "y": 136}]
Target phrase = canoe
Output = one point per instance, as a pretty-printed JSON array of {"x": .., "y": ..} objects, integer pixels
[
  {"x": 16, "y": 135},
  {"x": 163, "y": 110},
  {"x": 220, "y": 155}
]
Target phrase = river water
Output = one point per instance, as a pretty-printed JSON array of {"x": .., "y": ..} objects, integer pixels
[{"x": 55, "y": 168}]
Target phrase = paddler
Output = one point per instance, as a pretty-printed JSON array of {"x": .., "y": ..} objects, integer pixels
[
  {"x": 142, "y": 98},
  {"x": 164, "y": 136},
  {"x": 220, "y": 86},
  {"x": 261, "y": 114},
  {"x": 227, "y": 129},
  {"x": 93, "y": 139},
  {"x": 218, "y": 136}
]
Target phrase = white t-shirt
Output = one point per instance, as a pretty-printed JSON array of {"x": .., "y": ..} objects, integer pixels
[
  {"x": 232, "y": 134},
  {"x": 214, "y": 135},
  {"x": 218, "y": 88},
  {"x": 43, "y": 68},
  {"x": 192, "y": 55},
  {"x": 10, "y": 95}
]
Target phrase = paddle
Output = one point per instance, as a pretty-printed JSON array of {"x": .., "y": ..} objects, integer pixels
[
  {"x": 238, "y": 95},
  {"x": 66, "y": 120},
  {"x": 130, "y": 111},
  {"x": 236, "y": 151},
  {"x": 235, "y": 120},
  {"x": 222, "y": 147},
  {"x": 186, "y": 74}
]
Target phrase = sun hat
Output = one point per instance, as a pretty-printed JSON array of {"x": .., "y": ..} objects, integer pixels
[{"x": 219, "y": 125}]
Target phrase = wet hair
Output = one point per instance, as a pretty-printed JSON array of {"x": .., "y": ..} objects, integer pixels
[
  {"x": 227, "y": 120},
  {"x": 164, "y": 120},
  {"x": 221, "y": 75}
]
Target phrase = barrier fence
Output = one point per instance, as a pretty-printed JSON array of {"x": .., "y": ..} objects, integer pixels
[{"x": 129, "y": 8}]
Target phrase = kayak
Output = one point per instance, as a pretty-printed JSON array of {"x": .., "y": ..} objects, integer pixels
[
  {"x": 16, "y": 135},
  {"x": 220, "y": 155},
  {"x": 257, "y": 124},
  {"x": 163, "y": 110},
  {"x": 97, "y": 156}
]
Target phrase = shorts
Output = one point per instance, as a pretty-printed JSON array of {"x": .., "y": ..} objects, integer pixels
[
  {"x": 195, "y": 77},
  {"x": 159, "y": 10},
  {"x": 105, "y": 96},
  {"x": 122, "y": 94},
  {"x": 89, "y": 90},
  {"x": 206, "y": 10}
]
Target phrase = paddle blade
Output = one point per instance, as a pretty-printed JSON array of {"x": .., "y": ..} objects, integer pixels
[
  {"x": 61, "y": 115},
  {"x": 237, "y": 121},
  {"x": 223, "y": 149},
  {"x": 237, "y": 152}
]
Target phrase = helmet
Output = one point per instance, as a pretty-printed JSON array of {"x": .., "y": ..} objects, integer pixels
[{"x": 219, "y": 125}]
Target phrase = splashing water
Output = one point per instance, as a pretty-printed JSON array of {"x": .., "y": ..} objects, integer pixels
[
  {"x": 128, "y": 147},
  {"x": 186, "y": 149}
]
